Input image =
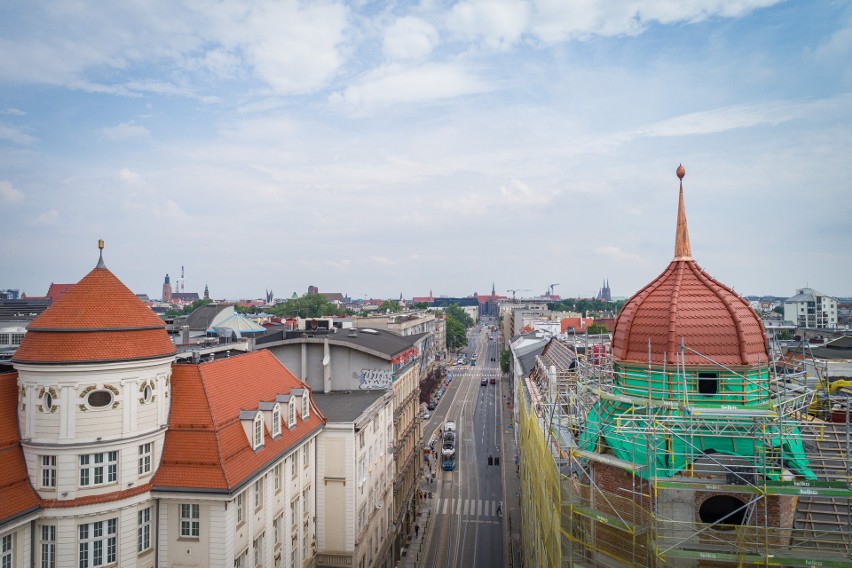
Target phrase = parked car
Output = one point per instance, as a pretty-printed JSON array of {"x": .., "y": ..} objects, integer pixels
[{"x": 431, "y": 405}]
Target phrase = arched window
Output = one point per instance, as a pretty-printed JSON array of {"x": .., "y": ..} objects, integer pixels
[
  {"x": 276, "y": 420},
  {"x": 258, "y": 430}
]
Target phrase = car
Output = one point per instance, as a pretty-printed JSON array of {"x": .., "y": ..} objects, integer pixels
[
  {"x": 426, "y": 415},
  {"x": 493, "y": 380},
  {"x": 450, "y": 426},
  {"x": 431, "y": 405},
  {"x": 483, "y": 382}
]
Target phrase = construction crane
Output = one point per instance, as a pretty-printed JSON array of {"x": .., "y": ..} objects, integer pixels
[
  {"x": 517, "y": 290},
  {"x": 552, "y": 286}
]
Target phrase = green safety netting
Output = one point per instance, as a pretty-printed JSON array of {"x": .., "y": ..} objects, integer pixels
[{"x": 632, "y": 437}]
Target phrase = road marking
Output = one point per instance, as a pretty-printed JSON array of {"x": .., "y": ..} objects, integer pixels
[
  {"x": 444, "y": 510},
  {"x": 466, "y": 506}
]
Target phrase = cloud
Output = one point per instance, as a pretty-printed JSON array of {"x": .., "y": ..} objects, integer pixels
[
  {"x": 49, "y": 217},
  {"x": 394, "y": 84},
  {"x": 8, "y": 193},
  {"x": 409, "y": 38},
  {"x": 125, "y": 130},
  {"x": 11, "y": 111},
  {"x": 616, "y": 254},
  {"x": 382, "y": 260},
  {"x": 129, "y": 177},
  {"x": 497, "y": 23},
  {"x": 517, "y": 192},
  {"x": 557, "y": 20},
  {"x": 16, "y": 136}
]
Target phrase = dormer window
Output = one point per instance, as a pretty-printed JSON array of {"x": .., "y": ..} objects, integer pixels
[
  {"x": 306, "y": 405},
  {"x": 258, "y": 431},
  {"x": 276, "y": 420},
  {"x": 291, "y": 417}
]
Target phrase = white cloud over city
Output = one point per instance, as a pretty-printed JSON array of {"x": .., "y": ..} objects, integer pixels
[{"x": 380, "y": 149}]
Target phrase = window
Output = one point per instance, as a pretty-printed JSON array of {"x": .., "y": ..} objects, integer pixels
[
  {"x": 306, "y": 405},
  {"x": 48, "y": 546},
  {"x": 7, "y": 551},
  {"x": 240, "y": 517},
  {"x": 257, "y": 548},
  {"x": 99, "y": 398},
  {"x": 48, "y": 401},
  {"x": 258, "y": 431},
  {"x": 277, "y": 527},
  {"x": 145, "y": 453},
  {"x": 294, "y": 465},
  {"x": 276, "y": 420},
  {"x": 190, "y": 520},
  {"x": 362, "y": 470},
  {"x": 48, "y": 471},
  {"x": 294, "y": 513},
  {"x": 143, "y": 542},
  {"x": 362, "y": 516},
  {"x": 258, "y": 494},
  {"x": 97, "y": 543},
  {"x": 276, "y": 476},
  {"x": 98, "y": 469},
  {"x": 305, "y": 508},
  {"x": 291, "y": 413},
  {"x": 241, "y": 559},
  {"x": 708, "y": 383},
  {"x": 306, "y": 456}
]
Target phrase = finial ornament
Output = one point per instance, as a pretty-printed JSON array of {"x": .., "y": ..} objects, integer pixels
[
  {"x": 682, "y": 249},
  {"x": 101, "y": 254}
]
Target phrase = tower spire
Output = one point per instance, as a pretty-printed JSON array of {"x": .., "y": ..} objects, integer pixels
[{"x": 682, "y": 249}]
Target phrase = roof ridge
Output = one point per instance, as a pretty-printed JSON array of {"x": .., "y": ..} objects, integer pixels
[{"x": 672, "y": 337}]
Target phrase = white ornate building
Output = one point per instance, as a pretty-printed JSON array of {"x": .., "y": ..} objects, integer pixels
[{"x": 112, "y": 454}]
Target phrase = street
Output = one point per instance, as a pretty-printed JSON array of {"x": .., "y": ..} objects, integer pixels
[{"x": 466, "y": 522}]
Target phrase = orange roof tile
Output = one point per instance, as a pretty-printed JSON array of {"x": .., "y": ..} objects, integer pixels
[
  {"x": 685, "y": 305},
  {"x": 98, "y": 319},
  {"x": 17, "y": 496},
  {"x": 206, "y": 446},
  {"x": 56, "y": 291}
]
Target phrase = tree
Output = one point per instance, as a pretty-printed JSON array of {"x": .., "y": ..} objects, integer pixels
[
  {"x": 504, "y": 361},
  {"x": 389, "y": 306},
  {"x": 778, "y": 310},
  {"x": 456, "y": 334},
  {"x": 419, "y": 305},
  {"x": 307, "y": 306},
  {"x": 597, "y": 329},
  {"x": 459, "y": 314}
]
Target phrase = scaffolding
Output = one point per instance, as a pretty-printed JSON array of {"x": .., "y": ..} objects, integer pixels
[{"x": 633, "y": 474}]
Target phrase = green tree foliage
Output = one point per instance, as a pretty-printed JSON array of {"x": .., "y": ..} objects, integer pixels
[
  {"x": 597, "y": 329},
  {"x": 456, "y": 334},
  {"x": 307, "y": 306},
  {"x": 459, "y": 314},
  {"x": 187, "y": 309},
  {"x": 389, "y": 306},
  {"x": 587, "y": 306},
  {"x": 504, "y": 361},
  {"x": 778, "y": 310},
  {"x": 419, "y": 306}
]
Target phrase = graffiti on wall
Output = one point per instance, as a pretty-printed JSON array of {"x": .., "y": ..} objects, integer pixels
[{"x": 373, "y": 379}]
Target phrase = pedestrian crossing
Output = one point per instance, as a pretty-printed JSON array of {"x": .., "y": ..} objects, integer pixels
[{"x": 469, "y": 507}]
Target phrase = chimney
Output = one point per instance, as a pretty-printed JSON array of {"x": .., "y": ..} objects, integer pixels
[{"x": 184, "y": 335}]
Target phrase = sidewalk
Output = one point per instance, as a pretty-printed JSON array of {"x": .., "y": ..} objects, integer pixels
[
  {"x": 413, "y": 549},
  {"x": 511, "y": 481}
]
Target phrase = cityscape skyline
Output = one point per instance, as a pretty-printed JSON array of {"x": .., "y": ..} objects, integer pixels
[{"x": 378, "y": 150}]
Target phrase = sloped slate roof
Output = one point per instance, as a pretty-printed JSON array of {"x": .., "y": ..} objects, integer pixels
[{"x": 206, "y": 447}]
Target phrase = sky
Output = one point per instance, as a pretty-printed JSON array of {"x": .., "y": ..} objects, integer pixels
[{"x": 387, "y": 148}]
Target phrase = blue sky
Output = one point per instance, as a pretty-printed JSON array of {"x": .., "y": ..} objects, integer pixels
[{"x": 379, "y": 148}]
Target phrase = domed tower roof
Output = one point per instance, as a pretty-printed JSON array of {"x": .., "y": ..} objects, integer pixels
[
  {"x": 686, "y": 305},
  {"x": 98, "y": 320}
]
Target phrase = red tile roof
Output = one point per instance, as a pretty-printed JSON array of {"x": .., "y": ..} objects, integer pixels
[
  {"x": 98, "y": 319},
  {"x": 56, "y": 291},
  {"x": 206, "y": 446},
  {"x": 579, "y": 324},
  {"x": 17, "y": 496},
  {"x": 685, "y": 305}
]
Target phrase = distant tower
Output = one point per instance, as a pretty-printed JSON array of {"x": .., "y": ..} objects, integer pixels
[
  {"x": 167, "y": 289},
  {"x": 206, "y": 292},
  {"x": 493, "y": 290},
  {"x": 269, "y": 297},
  {"x": 313, "y": 290}
]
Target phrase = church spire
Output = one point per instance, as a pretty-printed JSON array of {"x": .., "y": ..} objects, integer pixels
[{"x": 682, "y": 249}]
